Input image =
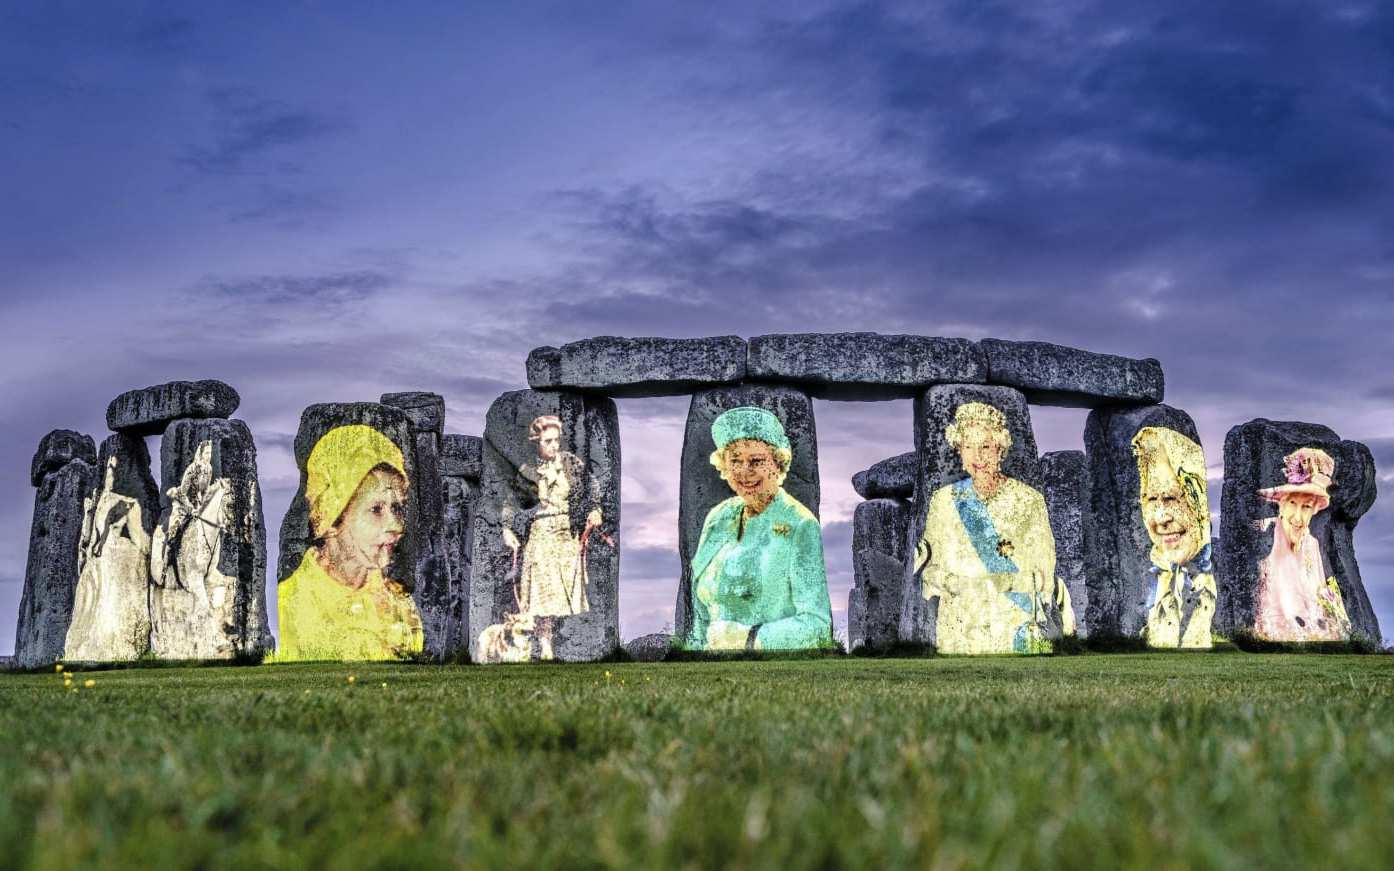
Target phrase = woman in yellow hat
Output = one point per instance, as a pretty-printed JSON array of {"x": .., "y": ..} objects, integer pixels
[{"x": 338, "y": 604}]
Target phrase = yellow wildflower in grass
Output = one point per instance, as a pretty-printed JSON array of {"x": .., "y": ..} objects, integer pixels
[
  {"x": 384, "y": 685},
  {"x": 58, "y": 667},
  {"x": 89, "y": 683},
  {"x": 352, "y": 678}
]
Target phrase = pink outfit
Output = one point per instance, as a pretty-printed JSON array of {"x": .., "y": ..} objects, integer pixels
[{"x": 1291, "y": 588}]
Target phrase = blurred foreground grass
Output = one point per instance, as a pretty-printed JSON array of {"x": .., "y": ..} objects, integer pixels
[{"x": 1219, "y": 760}]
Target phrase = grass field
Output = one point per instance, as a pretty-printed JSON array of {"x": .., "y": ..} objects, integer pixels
[{"x": 1220, "y": 760}]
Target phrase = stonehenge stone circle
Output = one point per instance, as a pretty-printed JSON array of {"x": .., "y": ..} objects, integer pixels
[
  {"x": 1254, "y": 454},
  {"x": 149, "y": 410}
]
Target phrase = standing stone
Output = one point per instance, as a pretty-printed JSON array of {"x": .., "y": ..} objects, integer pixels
[
  {"x": 426, "y": 411},
  {"x": 1057, "y": 375},
  {"x": 880, "y": 539},
  {"x": 59, "y": 448},
  {"x": 50, "y": 577},
  {"x": 618, "y": 366},
  {"x": 1118, "y": 564},
  {"x": 461, "y": 461},
  {"x": 557, "y": 595},
  {"x": 462, "y": 456},
  {"x": 149, "y": 410},
  {"x": 892, "y": 478},
  {"x": 208, "y": 552},
  {"x": 939, "y": 464},
  {"x": 1065, "y": 484},
  {"x": 864, "y": 366},
  {"x": 315, "y": 422},
  {"x": 111, "y": 607},
  {"x": 1254, "y": 454},
  {"x": 701, "y": 487}
]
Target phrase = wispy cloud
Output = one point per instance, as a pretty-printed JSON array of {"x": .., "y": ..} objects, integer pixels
[{"x": 252, "y": 133}]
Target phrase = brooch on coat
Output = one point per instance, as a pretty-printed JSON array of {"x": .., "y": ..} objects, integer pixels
[
  {"x": 781, "y": 529},
  {"x": 1004, "y": 548}
]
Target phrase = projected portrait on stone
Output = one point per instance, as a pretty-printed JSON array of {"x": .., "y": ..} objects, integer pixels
[
  {"x": 1297, "y": 599},
  {"x": 1171, "y": 471},
  {"x": 548, "y": 526},
  {"x": 759, "y": 582},
  {"x": 342, "y": 602},
  {"x": 988, "y": 551},
  {"x": 111, "y": 609}
]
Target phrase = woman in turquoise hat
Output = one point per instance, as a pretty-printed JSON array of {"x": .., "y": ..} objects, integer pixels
[{"x": 758, "y": 576}]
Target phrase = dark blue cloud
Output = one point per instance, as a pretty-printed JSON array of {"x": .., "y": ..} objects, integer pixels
[{"x": 255, "y": 134}]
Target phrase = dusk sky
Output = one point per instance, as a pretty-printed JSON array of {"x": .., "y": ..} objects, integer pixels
[{"x": 324, "y": 201}]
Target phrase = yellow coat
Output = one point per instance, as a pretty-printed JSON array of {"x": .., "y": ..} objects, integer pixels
[{"x": 321, "y": 618}]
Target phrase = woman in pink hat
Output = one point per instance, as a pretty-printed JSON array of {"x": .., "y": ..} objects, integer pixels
[{"x": 1297, "y": 601}]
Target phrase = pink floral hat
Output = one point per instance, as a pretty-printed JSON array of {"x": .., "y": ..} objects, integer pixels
[{"x": 1308, "y": 470}]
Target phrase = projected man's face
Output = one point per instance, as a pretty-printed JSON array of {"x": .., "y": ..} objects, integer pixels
[{"x": 548, "y": 444}]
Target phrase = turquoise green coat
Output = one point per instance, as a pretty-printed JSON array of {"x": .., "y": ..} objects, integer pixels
[{"x": 772, "y": 577}]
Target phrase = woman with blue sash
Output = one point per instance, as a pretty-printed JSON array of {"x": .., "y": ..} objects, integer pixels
[{"x": 988, "y": 551}]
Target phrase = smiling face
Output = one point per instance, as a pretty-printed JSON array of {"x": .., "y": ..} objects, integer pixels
[
  {"x": 372, "y": 524},
  {"x": 549, "y": 443},
  {"x": 1296, "y": 511},
  {"x": 1170, "y": 523},
  {"x": 980, "y": 451},
  {"x": 752, "y": 471}
]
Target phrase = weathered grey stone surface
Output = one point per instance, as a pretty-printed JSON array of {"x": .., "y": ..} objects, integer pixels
[
  {"x": 1254, "y": 454},
  {"x": 700, "y": 486},
  {"x": 208, "y": 551},
  {"x": 50, "y": 577},
  {"x": 864, "y": 365},
  {"x": 638, "y": 366},
  {"x": 892, "y": 478},
  {"x": 649, "y": 648},
  {"x": 462, "y": 456},
  {"x": 1065, "y": 485},
  {"x": 460, "y": 496},
  {"x": 433, "y": 593},
  {"x": 1117, "y": 548},
  {"x": 111, "y": 607},
  {"x": 939, "y": 464},
  {"x": 1057, "y": 375},
  {"x": 880, "y": 540},
  {"x": 149, "y": 410},
  {"x": 59, "y": 448},
  {"x": 426, "y": 410},
  {"x": 509, "y": 499}
]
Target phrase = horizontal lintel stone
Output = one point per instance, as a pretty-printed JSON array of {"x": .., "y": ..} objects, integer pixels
[
  {"x": 1058, "y": 375},
  {"x": 638, "y": 367},
  {"x": 149, "y": 410},
  {"x": 864, "y": 366}
]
